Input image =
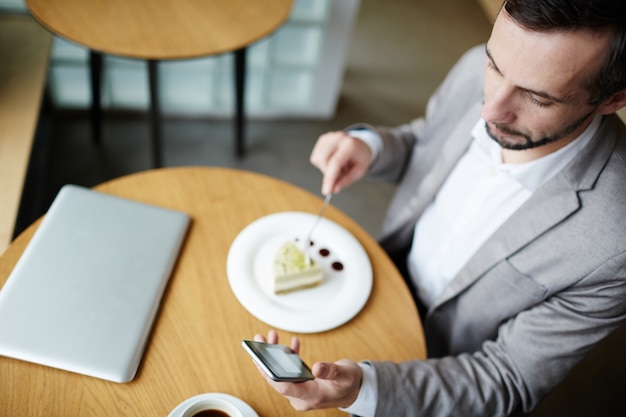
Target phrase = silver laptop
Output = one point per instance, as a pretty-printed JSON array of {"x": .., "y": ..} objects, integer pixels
[{"x": 85, "y": 292}]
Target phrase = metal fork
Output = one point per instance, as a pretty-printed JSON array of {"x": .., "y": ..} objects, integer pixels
[{"x": 307, "y": 241}]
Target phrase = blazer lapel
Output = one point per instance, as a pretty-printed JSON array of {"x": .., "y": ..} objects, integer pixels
[{"x": 550, "y": 204}]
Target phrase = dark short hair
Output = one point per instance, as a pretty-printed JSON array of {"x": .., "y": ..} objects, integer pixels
[{"x": 601, "y": 16}]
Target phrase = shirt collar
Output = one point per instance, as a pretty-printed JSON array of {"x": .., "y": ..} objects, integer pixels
[{"x": 533, "y": 174}]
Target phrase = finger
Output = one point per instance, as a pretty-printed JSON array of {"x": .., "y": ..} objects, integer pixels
[
  {"x": 341, "y": 172},
  {"x": 259, "y": 338},
  {"x": 320, "y": 153},
  {"x": 324, "y": 149},
  {"x": 342, "y": 372},
  {"x": 330, "y": 182},
  {"x": 272, "y": 337},
  {"x": 351, "y": 162},
  {"x": 323, "y": 370},
  {"x": 295, "y": 344}
]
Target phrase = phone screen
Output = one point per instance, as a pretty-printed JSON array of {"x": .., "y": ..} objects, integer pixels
[{"x": 279, "y": 362}]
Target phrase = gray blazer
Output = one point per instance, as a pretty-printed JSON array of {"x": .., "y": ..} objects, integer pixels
[{"x": 536, "y": 297}]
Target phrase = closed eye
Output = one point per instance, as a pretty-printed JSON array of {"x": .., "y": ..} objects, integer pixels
[
  {"x": 492, "y": 66},
  {"x": 533, "y": 99}
]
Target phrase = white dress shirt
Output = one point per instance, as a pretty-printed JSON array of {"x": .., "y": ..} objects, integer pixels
[{"x": 478, "y": 196}]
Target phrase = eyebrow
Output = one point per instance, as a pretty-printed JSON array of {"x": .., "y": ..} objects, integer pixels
[{"x": 535, "y": 92}]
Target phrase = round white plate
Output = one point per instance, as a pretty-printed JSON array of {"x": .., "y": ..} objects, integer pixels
[
  {"x": 340, "y": 296},
  {"x": 244, "y": 408}
]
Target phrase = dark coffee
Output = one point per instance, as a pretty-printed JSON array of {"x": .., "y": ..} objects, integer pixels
[{"x": 211, "y": 413}]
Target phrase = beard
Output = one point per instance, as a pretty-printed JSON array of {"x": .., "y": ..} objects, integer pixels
[{"x": 528, "y": 141}]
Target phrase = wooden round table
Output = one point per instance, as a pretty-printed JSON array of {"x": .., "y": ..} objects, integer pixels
[
  {"x": 195, "y": 345},
  {"x": 163, "y": 30}
]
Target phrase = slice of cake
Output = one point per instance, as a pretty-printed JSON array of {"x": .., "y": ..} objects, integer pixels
[{"x": 292, "y": 270}]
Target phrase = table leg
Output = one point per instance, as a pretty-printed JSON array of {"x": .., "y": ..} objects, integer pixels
[
  {"x": 95, "y": 63},
  {"x": 240, "y": 84},
  {"x": 155, "y": 113}
]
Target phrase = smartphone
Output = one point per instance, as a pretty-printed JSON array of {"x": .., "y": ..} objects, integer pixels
[{"x": 279, "y": 362}]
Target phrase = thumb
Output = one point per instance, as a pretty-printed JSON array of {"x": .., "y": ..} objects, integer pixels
[
  {"x": 329, "y": 371},
  {"x": 323, "y": 370},
  {"x": 340, "y": 381}
]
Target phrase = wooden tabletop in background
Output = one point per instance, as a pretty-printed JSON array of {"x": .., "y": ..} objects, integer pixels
[
  {"x": 161, "y": 29},
  {"x": 195, "y": 345}
]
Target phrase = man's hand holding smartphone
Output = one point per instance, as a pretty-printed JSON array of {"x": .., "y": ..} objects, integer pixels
[
  {"x": 280, "y": 363},
  {"x": 334, "y": 385}
]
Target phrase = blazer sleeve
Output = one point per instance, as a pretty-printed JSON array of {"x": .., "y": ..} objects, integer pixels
[{"x": 533, "y": 352}]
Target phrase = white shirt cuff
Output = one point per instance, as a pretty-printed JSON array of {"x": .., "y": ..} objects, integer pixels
[
  {"x": 365, "y": 404},
  {"x": 370, "y": 138}
]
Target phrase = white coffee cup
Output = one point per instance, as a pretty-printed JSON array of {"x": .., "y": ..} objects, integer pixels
[{"x": 205, "y": 404}]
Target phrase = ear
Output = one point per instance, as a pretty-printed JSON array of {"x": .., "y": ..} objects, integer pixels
[{"x": 614, "y": 103}]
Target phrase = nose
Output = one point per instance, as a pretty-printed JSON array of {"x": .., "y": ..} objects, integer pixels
[{"x": 499, "y": 105}]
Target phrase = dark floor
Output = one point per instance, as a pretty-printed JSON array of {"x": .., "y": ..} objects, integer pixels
[{"x": 400, "y": 52}]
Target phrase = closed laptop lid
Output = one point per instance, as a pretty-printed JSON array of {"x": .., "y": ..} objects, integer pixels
[{"x": 85, "y": 292}]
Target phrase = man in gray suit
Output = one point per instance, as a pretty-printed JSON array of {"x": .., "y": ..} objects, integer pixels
[{"x": 509, "y": 220}]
